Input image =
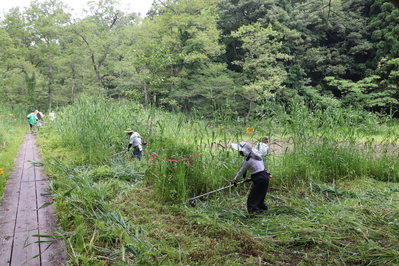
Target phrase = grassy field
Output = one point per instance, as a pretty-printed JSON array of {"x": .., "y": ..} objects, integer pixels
[{"x": 333, "y": 195}]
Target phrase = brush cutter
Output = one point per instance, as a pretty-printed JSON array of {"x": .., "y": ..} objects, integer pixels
[
  {"x": 118, "y": 153},
  {"x": 192, "y": 200}
]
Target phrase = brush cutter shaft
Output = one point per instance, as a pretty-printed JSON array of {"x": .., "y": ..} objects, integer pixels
[
  {"x": 219, "y": 189},
  {"x": 118, "y": 153}
]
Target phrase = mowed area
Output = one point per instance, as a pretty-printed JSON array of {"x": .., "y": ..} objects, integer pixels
[{"x": 27, "y": 220}]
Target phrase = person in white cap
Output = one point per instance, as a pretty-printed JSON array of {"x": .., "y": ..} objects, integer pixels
[
  {"x": 135, "y": 141},
  {"x": 259, "y": 176}
]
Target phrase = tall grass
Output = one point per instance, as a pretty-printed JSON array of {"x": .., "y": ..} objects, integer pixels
[
  {"x": 190, "y": 156},
  {"x": 107, "y": 202},
  {"x": 13, "y": 125},
  {"x": 324, "y": 146},
  {"x": 187, "y": 152}
]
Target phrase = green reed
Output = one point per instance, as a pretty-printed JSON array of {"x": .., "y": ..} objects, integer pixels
[{"x": 323, "y": 145}]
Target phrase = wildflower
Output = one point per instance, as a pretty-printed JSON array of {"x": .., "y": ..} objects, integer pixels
[
  {"x": 10, "y": 114},
  {"x": 2, "y": 171},
  {"x": 249, "y": 130},
  {"x": 220, "y": 127}
]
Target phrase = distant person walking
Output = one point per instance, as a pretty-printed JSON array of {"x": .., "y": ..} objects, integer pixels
[
  {"x": 259, "y": 176},
  {"x": 263, "y": 148},
  {"x": 135, "y": 142},
  {"x": 32, "y": 118},
  {"x": 39, "y": 118}
]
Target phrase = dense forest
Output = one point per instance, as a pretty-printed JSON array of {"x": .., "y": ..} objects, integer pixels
[{"x": 244, "y": 58}]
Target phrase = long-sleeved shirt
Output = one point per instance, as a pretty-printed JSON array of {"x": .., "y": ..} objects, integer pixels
[
  {"x": 135, "y": 140},
  {"x": 252, "y": 165},
  {"x": 263, "y": 149}
]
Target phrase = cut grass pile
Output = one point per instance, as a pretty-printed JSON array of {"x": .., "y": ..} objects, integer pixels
[
  {"x": 348, "y": 223},
  {"x": 345, "y": 224}
]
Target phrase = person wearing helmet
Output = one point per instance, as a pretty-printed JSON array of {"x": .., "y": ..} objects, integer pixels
[{"x": 259, "y": 176}]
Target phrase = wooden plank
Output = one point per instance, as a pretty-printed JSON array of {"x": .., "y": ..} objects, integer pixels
[
  {"x": 27, "y": 215},
  {"x": 8, "y": 207},
  {"x": 9, "y": 210},
  {"x": 6, "y": 240},
  {"x": 28, "y": 169},
  {"x": 21, "y": 216},
  {"x": 24, "y": 250}
]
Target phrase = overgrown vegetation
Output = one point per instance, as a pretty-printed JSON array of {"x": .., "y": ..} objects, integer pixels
[
  {"x": 333, "y": 198},
  {"x": 13, "y": 124}
]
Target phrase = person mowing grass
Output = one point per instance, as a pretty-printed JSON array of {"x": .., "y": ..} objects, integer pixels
[
  {"x": 135, "y": 141},
  {"x": 259, "y": 176}
]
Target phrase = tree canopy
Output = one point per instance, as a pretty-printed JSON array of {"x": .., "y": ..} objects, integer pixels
[{"x": 207, "y": 55}]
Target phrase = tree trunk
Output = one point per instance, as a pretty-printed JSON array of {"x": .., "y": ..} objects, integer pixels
[
  {"x": 248, "y": 114},
  {"x": 145, "y": 93},
  {"x": 31, "y": 86},
  {"x": 50, "y": 86}
]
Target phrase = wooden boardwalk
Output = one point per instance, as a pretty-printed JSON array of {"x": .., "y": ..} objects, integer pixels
[{"x": 24, "y": 216}]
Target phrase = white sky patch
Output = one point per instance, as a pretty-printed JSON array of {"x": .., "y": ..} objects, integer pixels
[{"x": 138, "y": 6}]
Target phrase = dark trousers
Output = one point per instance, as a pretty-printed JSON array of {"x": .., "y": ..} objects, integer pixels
[
  {"x": 256, "y": 198},
  {"x": 137, "y": 153}
]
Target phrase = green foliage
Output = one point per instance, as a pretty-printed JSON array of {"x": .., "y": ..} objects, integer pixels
[
  {"x": 364, "y": 93},
  {"x": 323, "y": 145},
  {"x": 261, "y": 63},
  {"x": 13, "y": 125},
  {"x": 201, "y": 56},
  {"x": 93, "y": 128}
]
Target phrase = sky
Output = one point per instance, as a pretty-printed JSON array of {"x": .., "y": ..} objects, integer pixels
[{"x": 141, "y": 6}]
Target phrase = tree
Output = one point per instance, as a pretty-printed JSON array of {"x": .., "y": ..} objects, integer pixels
[
  {"x": 19, "y": 66},
  {"x": 45, "y": 23},
  {"x": 100, "y": 34},
  {"x": 367, "y": 93},
  {"x": 180, "y": 46},
  {"x": 262, "y": 61},
  {"x": 234, "y": 14},
  {"x": 12, "y": 82},
  {"x": 336, "y": 39},
  {"x": 395, "y": 2}
]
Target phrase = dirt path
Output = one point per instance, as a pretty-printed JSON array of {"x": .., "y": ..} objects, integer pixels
[{"x": 24, "y": 217}]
